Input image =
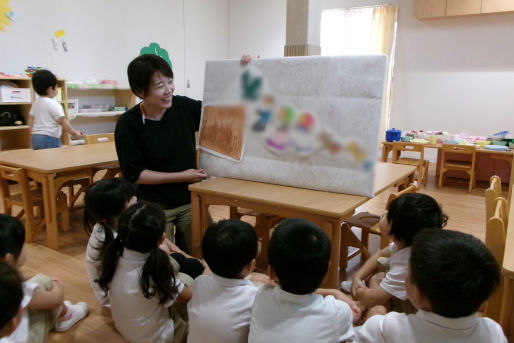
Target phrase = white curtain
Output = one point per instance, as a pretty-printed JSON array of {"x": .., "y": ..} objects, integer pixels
[{"x": 365, "y": 30}]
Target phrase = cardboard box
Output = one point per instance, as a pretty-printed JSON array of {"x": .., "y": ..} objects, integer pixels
[{"x": 10, "y": 94}]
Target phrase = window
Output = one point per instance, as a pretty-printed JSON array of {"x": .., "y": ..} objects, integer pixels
[{"x": 363, "y": 30}]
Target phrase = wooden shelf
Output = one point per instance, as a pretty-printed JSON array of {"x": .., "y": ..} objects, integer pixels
[
  {"x": 83, "y": 87},
  {"x": 14, "y": 103},
  {"x": 11, "y": 128},
  {"x": 97, "y": 114}
]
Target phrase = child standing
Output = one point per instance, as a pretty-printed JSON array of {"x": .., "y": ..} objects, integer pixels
[
  {"x": 105, "y": 200},
  {"x": 11, "y": 295},
  {"x": 43, "y": 305},
  {"x": 450, "y": 275},
  {"x": 299, "y": 254},
  {"x": 406, "y": 217},
  {"x": 47, "y": 119},
  {"x": 139, "y": 278},
  {"x": 219, "y": 310}
]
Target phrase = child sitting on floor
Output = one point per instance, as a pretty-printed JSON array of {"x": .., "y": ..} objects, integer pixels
[
  {"x": 105, "y": 200},
  {"x": 219, "y": 310},
  {"x": 11, "y": 295},
  {"x": 140, "y": 280},
  {"x": 450, "y": 275},
  {"x": 299, "y": 254},
  {"x": 406, "y": 217},
  {"x": 44, "y": 308}
]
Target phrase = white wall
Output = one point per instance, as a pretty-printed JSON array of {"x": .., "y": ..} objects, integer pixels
[
  {"x": 454, "y": 74},
  {"x": 104, "y": 36},
  {"x": 257, "y": 28}
]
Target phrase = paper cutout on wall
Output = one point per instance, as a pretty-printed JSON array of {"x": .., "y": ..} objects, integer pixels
[
  {"x": 58, "y": 40},
  {"x": 155, "y": 49},
  {"x": 6, "y": 15},
  {"x": 309, "y": 122}
]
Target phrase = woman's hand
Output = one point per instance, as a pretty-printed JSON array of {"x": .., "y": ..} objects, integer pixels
[
  {"x": 194, "y": 175},
  {"x": 245, "y": 59}
]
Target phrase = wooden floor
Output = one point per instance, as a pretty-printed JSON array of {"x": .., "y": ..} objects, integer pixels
[{"x": 465, "y": 210}]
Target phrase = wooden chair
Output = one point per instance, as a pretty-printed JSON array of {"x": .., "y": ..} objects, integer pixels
[
  {"x": 368, "y": 223},
  {"x": 263, "y": 224},
  {"x": 420, "y": 163},
  {"x": 495, "y": 237},
  {"x": 27, "y": 198},
  {"x": 465, "y": 166},
  {"x": 494, "y": 191},
  {"x": 111, "y": 169}
]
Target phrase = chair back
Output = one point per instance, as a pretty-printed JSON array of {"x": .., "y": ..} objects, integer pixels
[
  {"x": 459, "y": 149},
  {"x": 495, "y": 237},
  {"x": 399, "y": 147},
  {"x": 99, "y": 138},
  {"x": 494, "y": 191},
  {"x": 411, "y": 189},
  {"x": 18, "y": 175}
]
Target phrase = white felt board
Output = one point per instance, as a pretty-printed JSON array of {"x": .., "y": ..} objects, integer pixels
[{"x": 309, "y": 122}]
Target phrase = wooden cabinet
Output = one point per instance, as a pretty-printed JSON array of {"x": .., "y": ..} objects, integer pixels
[
  {"x": 493, "y": 6},
  {"x": 430, "y": 9},
  {"x": 462, "y": 7},
  {"x": 18, "y": 136},
  {"x": 98, "y": 107},
  {"x": 433, "y": 9}
]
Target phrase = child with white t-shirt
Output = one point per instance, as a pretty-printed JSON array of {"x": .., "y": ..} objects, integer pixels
[
  {"x": 219, "y": 310},
  {"x": 43, "y": 304},
  {"x": 296, "y": 311},
  {"x": 407, "y": 216},
  {"x": 450, "y": 275},
  {"x": 140, "y": 280},
  {"x": 105, "y": 200},
  {"x": 47, "y": 119}
]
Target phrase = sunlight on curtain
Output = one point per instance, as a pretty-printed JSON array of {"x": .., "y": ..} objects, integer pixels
[{"x": 366, "y": 30}]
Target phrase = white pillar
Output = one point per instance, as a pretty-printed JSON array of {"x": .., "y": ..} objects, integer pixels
[{"x": 303, "y": 28}]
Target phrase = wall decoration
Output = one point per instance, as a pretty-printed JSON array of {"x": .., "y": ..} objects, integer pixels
[
  {"x": 6, "y": 15},
  {"x": 155, "y": 49},
  {"x": 309, "y": 122}
]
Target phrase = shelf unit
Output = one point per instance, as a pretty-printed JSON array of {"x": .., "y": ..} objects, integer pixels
[
  {"x": 98, "y": 95},
  {"x": 18, "y": 137}
]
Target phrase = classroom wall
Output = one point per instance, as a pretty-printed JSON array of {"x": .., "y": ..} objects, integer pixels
[
  {"x": 454, "y": 74},
  {"x": 104, "y": 36},
  {"x": 257, "y": 28}
]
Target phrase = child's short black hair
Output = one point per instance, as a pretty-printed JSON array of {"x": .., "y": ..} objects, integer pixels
[
  {"x": 299, "y": 253},
  {"x": 141, "y": 70},
  {"x": 42, "y": 79},
  {"x": 454, "y": 270},
  {"x": 12, "y": 236},
  {"x": 11, "y": 293},
  {"x": 410, "y": 213},
  {"x": 228, "y": 246}
]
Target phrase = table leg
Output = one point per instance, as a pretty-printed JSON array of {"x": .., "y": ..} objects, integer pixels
[
  {"x": 199, "y": 222},
  {"x": 386, "y": 149},
  {"x": 49, "y": 200},
  {"x": 333, "y": 231},
  {"x": 195, "y": 224},
  {"x": 506, "y": 317}
]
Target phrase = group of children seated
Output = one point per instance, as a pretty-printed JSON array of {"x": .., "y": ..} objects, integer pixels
[{"x": 433, "y": 283}]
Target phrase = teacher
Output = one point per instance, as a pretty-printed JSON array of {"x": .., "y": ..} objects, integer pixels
[{"x": 155, "y": 143}]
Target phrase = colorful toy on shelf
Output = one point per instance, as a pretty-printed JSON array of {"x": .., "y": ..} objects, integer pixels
[{"x": 30, "y": 70}]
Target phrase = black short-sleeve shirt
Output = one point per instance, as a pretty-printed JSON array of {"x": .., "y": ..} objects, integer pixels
[{"x": 167, "y": 145}]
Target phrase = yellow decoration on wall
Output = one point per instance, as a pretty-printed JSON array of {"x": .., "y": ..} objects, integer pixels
[{"x": 5, "y": 10}]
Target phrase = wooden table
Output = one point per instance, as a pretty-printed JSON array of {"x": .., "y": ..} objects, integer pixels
[
  {"x": 327, "y": 210},
  {"x": 507, "y": 156},
  {"x": 507, "y": 307},
  {"x": 53, "y": 167}
]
